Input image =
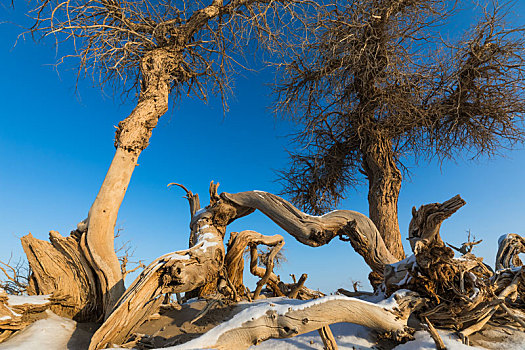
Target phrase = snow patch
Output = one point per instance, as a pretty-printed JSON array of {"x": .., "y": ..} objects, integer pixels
[
  {"x": 407, "y": 261},
  {"x": 200, "y": 211},
  {"x": 176, "y": 256},
  {"x": 14, "y": 300},
  {"x": 423, "y": 341},
  {"x": 52, "y": 333}
]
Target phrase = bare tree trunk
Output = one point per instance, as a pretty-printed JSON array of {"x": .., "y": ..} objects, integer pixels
[
  {"x": 131, "y": 139},
  {"x": 384, "y": 180},
  {"x": 316, "y": 231},
  {"x": 94, "y": 282}
]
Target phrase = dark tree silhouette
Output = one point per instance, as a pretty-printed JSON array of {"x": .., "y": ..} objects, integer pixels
[{"x": 374, "y": 83}]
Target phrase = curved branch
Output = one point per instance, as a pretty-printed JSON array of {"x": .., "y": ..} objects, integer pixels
[
  {"x": 193, "y": 199},
  {"x": 509, "y": 248},
  {"x": 423, "y": 229},
  {"x": 316, "y": 231}
]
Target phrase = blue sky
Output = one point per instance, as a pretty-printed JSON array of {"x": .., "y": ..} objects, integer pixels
[{"x": 56, "y": 144}]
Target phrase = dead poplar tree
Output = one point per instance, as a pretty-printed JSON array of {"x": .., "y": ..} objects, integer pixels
[
  {"x": 373, "y": 85},
  {"x": 160, "y": 49}
]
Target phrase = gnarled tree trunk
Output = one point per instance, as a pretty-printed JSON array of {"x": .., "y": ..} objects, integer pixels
[
  {"x": 384, "y": 179},
  {"x": 131, "y": 139},
  {"x": 90, "y": 255},
  {"x": 281, "y": 320}
]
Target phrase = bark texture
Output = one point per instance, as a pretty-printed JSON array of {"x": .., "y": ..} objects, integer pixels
[
  {"x": 509, "y": 248},
  {"x": 315, "y": 231},
  {"x": 17, "y": 316},
  {"x": 177, "y": 272},
  {"x": 59, "y": 266},
  {"x": 132, "y": 136},
  {"x": 384, "y": 180}
]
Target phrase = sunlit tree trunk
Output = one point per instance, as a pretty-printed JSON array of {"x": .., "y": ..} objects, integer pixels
[
  {"x": 131, "y": 139},
  {"x": 384, "y": 186}
]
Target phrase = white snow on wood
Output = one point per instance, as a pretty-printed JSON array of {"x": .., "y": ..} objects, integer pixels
[
  {"x": 58, "y": 333},
  {"x": 256, "y": 309},
  {"x": 348, "y": 336},
  {"x": 14, "y": 300},
  {"x": 410, "y": 260},
  {"x": 176, "y": 256}
]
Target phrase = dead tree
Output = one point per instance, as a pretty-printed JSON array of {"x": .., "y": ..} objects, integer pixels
[
  {"x": 158, "y": 49},
  {"x": 368, "y": 95},
  {"x": 201, "y": 266},
  {"x": 459, "y": 294}
]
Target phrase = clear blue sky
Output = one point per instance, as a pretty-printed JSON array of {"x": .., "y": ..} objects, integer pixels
[{"x": 56, "y": 145}]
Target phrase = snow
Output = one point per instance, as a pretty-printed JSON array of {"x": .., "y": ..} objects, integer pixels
[
  {"x": 14, "y": 300},
  {"x": 423, "y": 341},
  {"x": 58, "y": 333},
  {"x": 405, "y": 262},
  {"x": 52, "y": 333},
  {"x": 256, "y": 309},
  {"x": 176, "y": 256},
  {"x": 347, "y": 335},
  {"x": 204, "y": 241}
]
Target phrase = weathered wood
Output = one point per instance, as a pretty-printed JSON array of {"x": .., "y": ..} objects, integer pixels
[
  {"x": 297, "y": 287},
  {"x": 193, "y": 199},
  {"x": 328, "y": 338},
  {"x": 18, "y": 312},
  {"x": 269, "y": 266},
  {"x": 177, "y": 272},
  {"x": 423, "y": 229},
  {"x": 435, "y": 335},
  {"x": 316, "y": 231},
  {"x": 510, "y": 289},
  {"x": 234, "y": 261},
  {"x": 284, "y": 321},
  {"x": 60, "y": 266},
  {"x": 509, "y": 248}
]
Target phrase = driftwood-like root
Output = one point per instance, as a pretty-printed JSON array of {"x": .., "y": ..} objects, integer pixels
[
  {"x": 59, "y": 266},
  {"x": 284, "y": 321}
]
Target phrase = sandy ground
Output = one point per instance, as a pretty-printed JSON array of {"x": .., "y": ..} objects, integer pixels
[{"x": 179, "y": 324}]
